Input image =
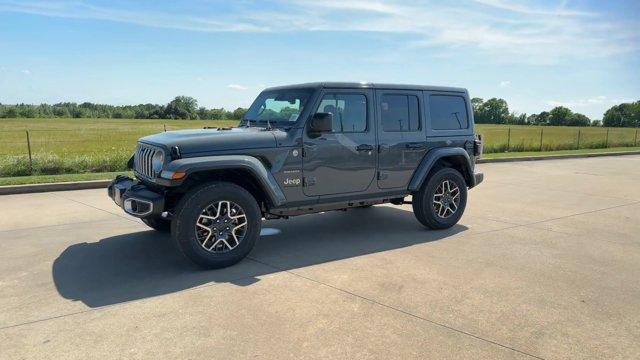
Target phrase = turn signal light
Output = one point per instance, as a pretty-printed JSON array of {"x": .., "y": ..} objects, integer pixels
[{"x": 178, "y": 175}]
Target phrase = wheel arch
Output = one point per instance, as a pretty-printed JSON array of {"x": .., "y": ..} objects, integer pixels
[
  {"x": 242, "y": 170},
  {"x": 456, "y": 158}
]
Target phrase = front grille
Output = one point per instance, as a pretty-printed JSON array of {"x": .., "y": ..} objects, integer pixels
[{"x": 142, "y": 160}]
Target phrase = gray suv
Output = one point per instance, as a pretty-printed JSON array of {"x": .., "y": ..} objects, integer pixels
[{"x": 304, "y": 149}]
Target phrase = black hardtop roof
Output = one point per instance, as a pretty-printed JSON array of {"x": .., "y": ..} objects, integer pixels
[{"x": 365, "y": 85}]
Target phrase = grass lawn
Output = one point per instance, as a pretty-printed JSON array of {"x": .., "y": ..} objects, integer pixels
[
  {"x": 61, "y": 146},
  {"x": 69, "y": 137},
  {"x": 501, "y": 138},
  {"x": 43, "y": 179},
  {"x": 559, "y": 152},
  {"x": 86, "y": 136}
]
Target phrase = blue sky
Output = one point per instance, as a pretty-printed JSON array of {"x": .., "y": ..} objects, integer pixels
[{"x": 535, "y": 54}]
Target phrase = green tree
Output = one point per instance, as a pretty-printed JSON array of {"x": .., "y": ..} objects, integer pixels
[
  {"x": 623, "y": 115},
  {"x": 559, "y": 116},
  {"x": 182, "y": 107},
  {"x": 238, "y": 113},
  {"x": 577, "y": 119},
  {"x": 493, "y": 111},
  {"x": 10, "y": 112},
  {"x": 476, "y": 103}
]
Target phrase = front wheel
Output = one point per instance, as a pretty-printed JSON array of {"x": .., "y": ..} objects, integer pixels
[
  {"x": 441, "y": 200},
  {"x": 216, "y": 225}
]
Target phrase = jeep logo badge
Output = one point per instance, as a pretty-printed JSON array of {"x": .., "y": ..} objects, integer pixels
[{"x": 292, "y": 182}]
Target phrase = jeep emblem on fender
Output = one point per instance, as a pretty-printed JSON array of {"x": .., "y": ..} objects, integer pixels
[{"x": 292, "y": 182}]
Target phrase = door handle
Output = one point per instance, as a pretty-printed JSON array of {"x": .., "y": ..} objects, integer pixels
[
  {"x": 415, "y": 145},
  {"x": 364, "y": 147}
]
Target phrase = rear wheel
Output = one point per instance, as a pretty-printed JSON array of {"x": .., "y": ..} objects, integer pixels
[
  {"x": 216, "y": 225},
  {"x": 158, "y": 223},
  {"x": 441, "y": 200}
]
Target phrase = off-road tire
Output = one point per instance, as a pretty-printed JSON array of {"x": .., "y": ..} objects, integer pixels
[
  {"x": 188, "y": 211},
  {"x": 424, "y": 207},
  {"x": 158, "y": 223}
]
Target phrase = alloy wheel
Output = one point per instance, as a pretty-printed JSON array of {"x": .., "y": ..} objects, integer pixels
[
  {"x": 221, "y": 226},
  {"x": 446, "y": 199}
]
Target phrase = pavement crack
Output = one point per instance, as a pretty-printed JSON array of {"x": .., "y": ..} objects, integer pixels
[
  {"x": 56, "y": 225},
  {"x": 393, "y": 308},
  {"x": 126, "y": 303},
  {"x": 582, "y": 213},
  {"x": 97, "y": 208}
]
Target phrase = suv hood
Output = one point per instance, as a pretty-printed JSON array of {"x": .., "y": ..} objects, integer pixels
[{"x": 208, "y": 140}]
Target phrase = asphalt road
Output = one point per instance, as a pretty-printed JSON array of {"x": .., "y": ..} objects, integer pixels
[{"x": 544, "y": 264}]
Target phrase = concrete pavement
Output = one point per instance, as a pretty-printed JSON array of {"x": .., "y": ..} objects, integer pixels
[{"x": 544, "y": 264}]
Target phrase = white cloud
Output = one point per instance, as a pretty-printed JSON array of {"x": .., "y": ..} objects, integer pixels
[
  {"x": 26, "y": 72},
  {"x": 505, "y": 83},
  {"x": 589, "y": 102},
  {"x": 594, "y": 107},
  {"x": 520, "y": 7},
  {"x": 236, "y": 87},
  {"x": 506, "y": 30}
]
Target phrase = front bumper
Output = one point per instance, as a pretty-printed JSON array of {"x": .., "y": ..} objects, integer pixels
[
  {"x": 135, "y": 198},
  {"x": 477, "y": 178}
]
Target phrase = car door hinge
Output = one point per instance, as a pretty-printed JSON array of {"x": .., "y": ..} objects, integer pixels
[
  {"x": 382, "y": 176},
  {"x": 309, "y": 181}
]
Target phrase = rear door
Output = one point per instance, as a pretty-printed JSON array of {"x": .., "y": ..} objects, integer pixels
[{"x": 401, "y": 135}]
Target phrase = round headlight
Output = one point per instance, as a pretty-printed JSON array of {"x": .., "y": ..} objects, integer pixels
[{"x": 157, "y": 161}]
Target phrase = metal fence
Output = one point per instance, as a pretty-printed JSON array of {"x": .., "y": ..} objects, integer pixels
[
  {"x": 549, "y": 138},
  {"x": 99, "y": 144}
]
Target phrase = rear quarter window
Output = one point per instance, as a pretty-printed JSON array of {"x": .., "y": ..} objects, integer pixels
[{"x": 448, "y": 112}]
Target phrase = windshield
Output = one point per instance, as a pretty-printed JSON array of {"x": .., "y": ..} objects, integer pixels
[{"x": 278, "y": 107}]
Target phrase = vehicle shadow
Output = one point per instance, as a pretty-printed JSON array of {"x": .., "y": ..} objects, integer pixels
[{"x": 147, "y": 263}]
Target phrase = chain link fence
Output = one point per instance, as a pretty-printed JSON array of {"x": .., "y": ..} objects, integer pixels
[
  {"x": 56, "y": 151},
  {"x": 550, "y": 138}
]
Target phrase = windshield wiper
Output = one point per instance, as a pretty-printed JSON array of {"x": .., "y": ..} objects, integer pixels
[
  {"x": 269, "y": 126},
  {"x": 248, "y": 122}
]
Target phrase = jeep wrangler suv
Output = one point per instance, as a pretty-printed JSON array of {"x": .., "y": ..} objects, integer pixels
[{"x": 304, "y": 149}]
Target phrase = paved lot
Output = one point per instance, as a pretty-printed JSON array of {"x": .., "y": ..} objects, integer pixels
[{"x": 544, "y": 264}]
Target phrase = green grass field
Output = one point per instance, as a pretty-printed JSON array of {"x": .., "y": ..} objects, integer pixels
[
  {"x": 60, "y": 146},
  {"x": 501, "y": 138}
]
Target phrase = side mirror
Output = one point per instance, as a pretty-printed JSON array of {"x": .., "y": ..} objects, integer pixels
[{"x": 321, "y": 123}]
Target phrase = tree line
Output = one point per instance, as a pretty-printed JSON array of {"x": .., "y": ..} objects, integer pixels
[
  {"x": 181, "y": 107},
  {"x": 491, "y": 111},
  {"x": 496, "y": 111}
]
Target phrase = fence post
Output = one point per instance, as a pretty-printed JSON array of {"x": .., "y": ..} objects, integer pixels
[
  {"x": 165, "y": 127},
  {"x": 509, "y": 139},
  {"x": 541, "y": 133},
  {"x": 29, "y": 149},
  {"x": 578, "y": 139},
  {"x": 635, "y": 138},
  {"x": 606, "y": 141}
]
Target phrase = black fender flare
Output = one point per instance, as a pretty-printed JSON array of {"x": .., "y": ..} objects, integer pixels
[
  {"x": 222, "y": 162},
  {"x": 431, "y": 157}
]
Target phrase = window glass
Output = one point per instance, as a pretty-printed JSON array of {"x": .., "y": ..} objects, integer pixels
[
  {"x": 448, "y": 112},
  {"x": 349, "y": 111},
  {"x": 400, "y": 113},
  {"x": 280, "y": 106}
]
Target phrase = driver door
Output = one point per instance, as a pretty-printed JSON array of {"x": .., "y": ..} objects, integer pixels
[{"x": 344, "y": 160}]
